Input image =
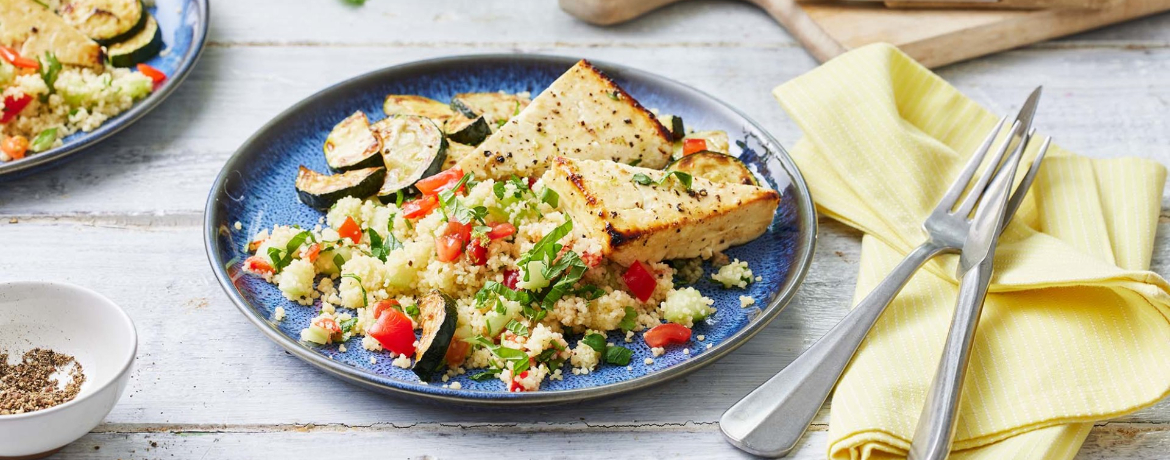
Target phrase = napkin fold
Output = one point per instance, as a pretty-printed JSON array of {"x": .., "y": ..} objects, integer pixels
[{"x": 1075, "y": 328}]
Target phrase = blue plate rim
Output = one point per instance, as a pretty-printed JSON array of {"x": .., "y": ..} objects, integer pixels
[
  {"x": 807, "y": 222},
  {"x": 129, "y": 117}
]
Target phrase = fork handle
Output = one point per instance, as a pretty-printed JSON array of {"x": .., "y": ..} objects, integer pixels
[
  {"x": 770, "y": 420},
  {"x": 940, "y": 414}
]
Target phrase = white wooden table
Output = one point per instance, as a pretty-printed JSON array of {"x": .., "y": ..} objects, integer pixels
[{"x": 125, "y": 219}]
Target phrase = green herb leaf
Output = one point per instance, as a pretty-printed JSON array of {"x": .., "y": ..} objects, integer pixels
[
  {"x": 573, "y": 268},
  {"x": 338, "y": 261},
  {"x": 589, "y": 292},
  {"x": 636, "y": 162},
  {"x": 50, "y": 68},
  {"x": 614, "y": 95},
  {"x": 453, "y": 208},
  {"x": 518, "y": 358},
  {"x": 547, "y": 248},
  {"x": 517, "y": 110},
  {"x": 499, "y": 189},
  {"x": 683, "y": 178},
  {"x": 398, "y": 197},
  {"x": 548, "y": 195},
  {"x": 365, "y": 303},
  {"x": 347, "y": 325},
  {"x": 642, "y": 179},
  {"x": 490, "y": 373},
  {"x": 629, "y": 320},
  {"x": 619, "y": 356},
  {"x": 517, "y": 328},
  {"x": 595, "y": 341},
  {"x": 412, "y": 310},
  {"x": 44, "y": 140}
]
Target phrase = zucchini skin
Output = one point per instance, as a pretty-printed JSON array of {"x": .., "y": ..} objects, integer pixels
[
  {"x": 352, "y": 132},
  {"x": 118, "y": 37},
  {"x": 715, "y": 167},
  {"x": 404, "y": 180},
  {"x": 320, "y": 191},
  {"x": 471, "y": 133},
  {"x": 439, "y": 318},
  {"x": 130, "y": 57},
  {"x": 677, "y": 130}
]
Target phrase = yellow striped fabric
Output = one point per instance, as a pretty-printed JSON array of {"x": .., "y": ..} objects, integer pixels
[{"x": 1075, "y": 328}]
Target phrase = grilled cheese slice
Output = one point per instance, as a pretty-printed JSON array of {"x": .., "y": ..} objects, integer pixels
[
  {"x": 583, "y": 114},
  {"x": 649, "y": 223},
  {"x": 32, "y": 29}
]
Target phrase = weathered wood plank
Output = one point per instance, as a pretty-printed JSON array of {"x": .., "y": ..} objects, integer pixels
[{"x": 1100, "y": 102}]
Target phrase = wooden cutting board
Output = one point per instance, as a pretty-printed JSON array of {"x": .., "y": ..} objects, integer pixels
[{"x": 935, "y": 37}]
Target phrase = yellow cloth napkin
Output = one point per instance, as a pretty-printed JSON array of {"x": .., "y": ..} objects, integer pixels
[{"x": 1075, "y": 328}]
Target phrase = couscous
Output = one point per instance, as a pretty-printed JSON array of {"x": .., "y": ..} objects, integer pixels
[{"x": 450, "y": 270}]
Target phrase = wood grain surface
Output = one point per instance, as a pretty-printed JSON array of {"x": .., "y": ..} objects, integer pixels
[{"x": 125, "y": 219}]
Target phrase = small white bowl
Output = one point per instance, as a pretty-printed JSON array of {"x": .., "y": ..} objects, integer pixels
[{"x": 75, "y": 321}]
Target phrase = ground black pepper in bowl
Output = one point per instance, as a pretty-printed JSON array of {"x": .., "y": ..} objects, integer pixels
[{"x": 30, "y": 385}]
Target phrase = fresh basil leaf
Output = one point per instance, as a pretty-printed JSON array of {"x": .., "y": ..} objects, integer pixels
[
  {"x": 589, "y": 292},
  {"x": 547, "y": 248},
  {"x": 683, "y": 178},
  {"x": 491, "y": 288},
  {"x": 636, "y": 162},
  {"x": 629, "y": 320},
  {"x": 518, "y": 358},
  {"x": 50, "y": 69},
  {"x": 520, "y": 184},
  {"x": 376, "y": 247},
  {"x": 365, "y": 303},
  {"x": 498, "y": 189},
  {"x": 642, "y": 179},
  {"x": 595, "y": 341},
  {"x": 44, "y": 140},
  {"x": 295, "y": 242},
  {"x": 517, "y": 328},
  {"x": 274, "y": 255},
  {"x": 547, "y": 195},
  {"x": 619, "y": 356},
  {"x": 347, "y": 325},
  {"x": 490, "y": 373}
]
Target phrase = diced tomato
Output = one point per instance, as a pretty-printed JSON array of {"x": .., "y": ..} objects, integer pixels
[
  {"x": 457, "y": 353},
  {"x": 450, "y": 242},
  {"x": 383, "y": 306},
  {"x": 477, "y": 254},
  {"x": 258, "y": 264},
  {"x": 694, "y": 145},
  {"x": 16, "y": 59},
  {"x": 312, "y": 252},
  {"x": 349, "y": 229},
  {"x": 155, "y": 75},
  {"x": 531, "y": 182},
  {"x": 330, "y": 325},
  {"x": 510, "y": 278},
  {"x": 420, "y": 207},
  {"x": 394, "y": 331},
  {"x": 440, "y": 182},
  {"x": 640, "y": 281},
  {"x": 15, "y": 146},
  {"x": 591, "y": 259},
  {"x": 667, "y": 334},
  {"x": 13, "y": 105},
  {"x": 515, "y": 386},
  {"x": 501, "y": 230}
]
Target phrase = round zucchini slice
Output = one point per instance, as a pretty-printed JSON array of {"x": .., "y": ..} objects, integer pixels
[
  {"x": 496, "y": 108},
  {"x": 413, "y": 147},
  {"x": 439, "y": 319},
  {"x": 715, "y": 167},
  {"x": 352, "y": 144},
  {"x": 140, "y": 48},
  {"x": 320, "y": 191},
  {"x": 409, "y": 104},
  {"x": 468, "y": 131},
  {"x": 105, "y": 21}
]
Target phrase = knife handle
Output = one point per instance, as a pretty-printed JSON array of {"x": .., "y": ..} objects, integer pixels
[{"x": 936, "y": 426}]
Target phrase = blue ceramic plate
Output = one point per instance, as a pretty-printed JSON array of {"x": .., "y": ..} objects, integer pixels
[
  {"x": 184, "y": 29},
  {"x": 256, "y": 189}
]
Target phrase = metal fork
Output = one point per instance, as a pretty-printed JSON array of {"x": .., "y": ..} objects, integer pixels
[{"x": 770, "y": 420}]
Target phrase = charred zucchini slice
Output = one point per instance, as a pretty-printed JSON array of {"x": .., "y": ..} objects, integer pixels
[
  {"x": 408, "y": 104},
  {"x": 439, "y": 318},
  {"x": 352, "y": 144},
  {"x": 677, "y": 130},
  {"x": 496, "y": 108},
  {"x": 320, "y": 191},
  {"x": 715, "y": 167},
  {"x": 468, "y": 131},
  {"x": 413, "y": 147},
  {"x": 105, "y": 21},
  {"x": 139, "y": 48}
]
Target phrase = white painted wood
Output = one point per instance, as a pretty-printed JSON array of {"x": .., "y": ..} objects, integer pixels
[{"x": 125, "y": 219}]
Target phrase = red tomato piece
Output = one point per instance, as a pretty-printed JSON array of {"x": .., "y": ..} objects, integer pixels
[
  {"x": 440, "y": 182},
  {"x": 330, "y": 325},
  {"x": 394, "y": 331},
  {"x": 312, "y": 252},
  {"x": 349, "y": 229},
  {"x": 14, "y": 146},
  {"x": 450, "y": 242},
  {"x": 640, "y": 281},
  {"x": 419, "y": 207},
  {"x": 155, "y": 75},
  {"x": 477, "y": 254},
  {"x": 382, "y": 306},
  {"x": 667, "y": 334},
  {"x": 13, "y": 105},
  {"x": 694, "y": 145},
  {"x": 14, "y": 58},
  {"x": 457, "y": 352},
  {"x": 501, "y": 230},
  {"x": 258, "y": 264},
  {"x": 510, "y": 278},
  {"x": 515, "y": 386},
  {"x": 531, "y": 182}
]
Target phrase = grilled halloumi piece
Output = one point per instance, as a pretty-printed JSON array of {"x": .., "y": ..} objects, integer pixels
[
  {"x": 583, "y": 114},
  {"x": 657, "y": 221},
  {"x": 33, "y": 29}
]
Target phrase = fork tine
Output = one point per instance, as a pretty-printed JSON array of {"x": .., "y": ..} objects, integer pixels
[
  {"x": 1025, "y": 184},
  {"x": 952, "y": 196},
  {"x": 981, "y": 184}
]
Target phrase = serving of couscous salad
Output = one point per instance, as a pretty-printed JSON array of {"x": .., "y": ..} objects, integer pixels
[
  {"x": 504, "y": 236},
  {"x": 63, "y": 68}
]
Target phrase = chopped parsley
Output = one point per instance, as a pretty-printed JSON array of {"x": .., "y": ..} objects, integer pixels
[
  {"x": 683, "y": 178},
  {"x": 619, "y": 356},
  {"x": 50, "y": 68},
  {"x": 518, "y": 358},
  {"x": 281, "y": 259},
  {"x": 595, "y": 341},
  {"x": 381, "y": 248}
]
